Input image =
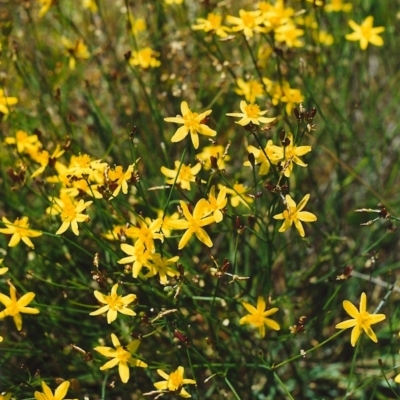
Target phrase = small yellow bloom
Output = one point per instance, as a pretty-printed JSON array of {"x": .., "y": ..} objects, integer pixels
[
  {"x": 291, "y": 97},
  {"x": 137, "y": 24},
  {"x": 289, "y": 34},
  {"x": 19, "y": 229},
  {"x": 47, "y": 394},
  {"x": 362, "y": 320},
  {"x": 239, "y": 195},
  {"x": 114, "y": 304},
  {"x": 212, "y": 23},
  {"x": 120, "y": 179},
  {"x": 185, "y": 175},
  {"x": 251, "y": 113},
  {"x": 25, "y": 143},
  {"x": 75, "y": 50},
  {"x": 365, "y": 33},
  {"x": 14, "y": 306},
  {"x": 90, "y": 5},
  {"x": 338, "y": 5},
  {"x": 217, "y": 203},
  {"x": 121, "y": 356},
  {"x": 138, "y": 255},
  {"x": 174, "y": 382},
  {"x": 294, "y": 214},
  {"x": 292, "y": 155},
  {"x": 218, "y": 152},
  {"x": 250, "y": 89},
  {"x": 5, "y": 102},
  {"x": 5, "y": 396},
  {"x": 258, "y": 317},
  {"x": 145, "y": 58},
  {"x": 162, "y": 266},
  {"x": 193, "y": 123},
  {"x": 3, "y": 270},
  {"x": 275, "y": 15},
  {"x": 170, "y": 2},
  {"x": 147, "y": 233},
  {"x": 70, "y": 212},
  {"x": 194, "y": 223},
  {"x": 45, "y": 159},
  {"x": 248, "y": 22},
  {"x": 271, "y": 154},
  {"x": 397, "y": 378},
  {"x": 46, "y": 4}
]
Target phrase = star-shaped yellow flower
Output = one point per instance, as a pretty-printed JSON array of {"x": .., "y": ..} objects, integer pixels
[
  {"x": 47, "y": 394},
  {"x": 14, "y": 306},
  {"x": 114, "y": 304},
  {"x": 5, "y": 102},
  {"x": 294, "y": 213},
  {"x": 186, "y": 174},
  {"x": 251, "y": 113},
  {"x": 258, "y": 317},
  {"x": 213, "y": 24},
  {"x": 365, "y": 33},
  {"x": 19, "y": 229},
  {"x": 292, "y": 154},
  {"x": 193, "y": 123},
  {"x": 174, "y": 382},
  {"x": 362, "y": 320},
  {"x": 194, "y": 223},
  {"x": 248, "y": 22},
  {"x": 121, "y": 356}
]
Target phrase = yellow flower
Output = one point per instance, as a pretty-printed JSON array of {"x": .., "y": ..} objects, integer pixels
[
  {"x": 290, "y": 96},
  {"x": 15, "y": 307},
  {"x": 239, "y": 195},
  {"x": 338, "y": 5},
  {"x": 397, "y": 378},
  {"x": 258, "y": 317},
  {"x": 289, "y": 34},
  {"x": 19, "y": 229},
  {"x": 216, "y": 204},
  {"x": 294, "y": 213},
  {"x": 137, "y": 24},
  {"x": 194, "y": 223},
  {"x": 212, "y": 23},
  {"x": 147, "y": 233},
  {"x": 137, "y": 254},
  {"x": 120, "y": 178},
  {"x": 186, "y": 174},
  {"x": 77, "y": 50},
  {"x": 170, "y": 2},
  {"x": 365, "y": 33},
  {"x": 24, "y": 142},
  {"x": 192, "y": 123},
  {"x": 6, "y": 101},
  {"x": 145, "y": 58},
  {"x": 90, "y": 5},
  {"x": 251, "y": 113},
  {"x": 46, "y": 4},
  {"x": 45, "y": 159},
  {"x": 5, "y": 396},
  {"x": 70, "y": 212},
  {"x": 217, "y": 151},
  {"x": 362, "y": 320},
  {"x": 174, "y": 382},
  {"x": 292, "y": 154},
  {"x": 121, "y": 356},
  {"x": 47, "y": 394},
  {"x": 275, "y": 15},
  {"x": 161, "y": 265},
  {"x": 274, "y": 154},
  {"x": 3, "y": 270},
  {"x": 248, "y": 22},
  {"x": 250, "y": 89},
  {"x": 114, "y": 304}
]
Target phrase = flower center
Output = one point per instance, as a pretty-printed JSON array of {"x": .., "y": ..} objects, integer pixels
[{"x": 252, "y": 110}]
